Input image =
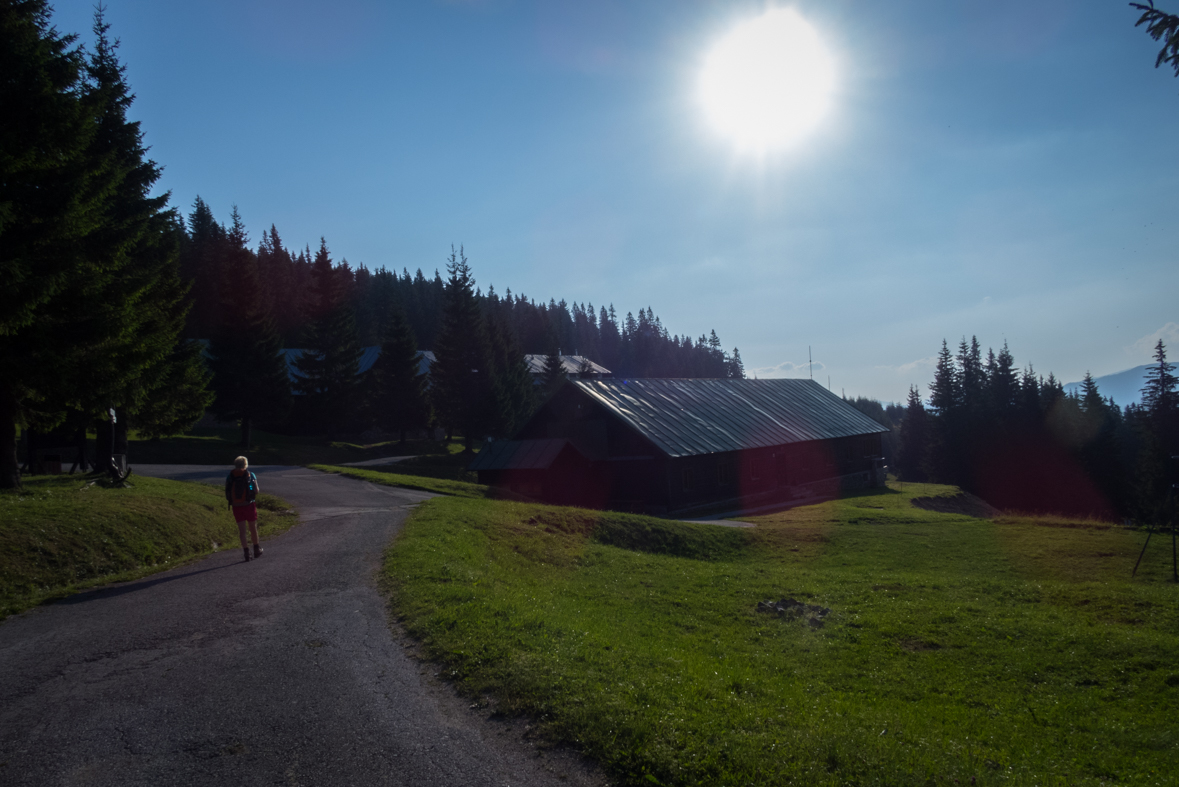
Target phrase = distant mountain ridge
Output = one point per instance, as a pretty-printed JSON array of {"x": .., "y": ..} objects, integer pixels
[{"x": 1125, "y": 387}]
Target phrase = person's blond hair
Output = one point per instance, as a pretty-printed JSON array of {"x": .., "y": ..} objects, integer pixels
[{"x": 241, "y": 463}]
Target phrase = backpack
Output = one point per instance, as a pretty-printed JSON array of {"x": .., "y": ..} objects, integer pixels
[{"x": 244, "y": 489}]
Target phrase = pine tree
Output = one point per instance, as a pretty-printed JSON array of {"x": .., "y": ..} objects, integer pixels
[
  {"x": 913, "y": 450},
  {"x": 553, "y": 375},
  {"x": 1002, "y": 387},
  {"x": 397, "y": 389},
  {"x": 736, "y": 369},
  {"x": 144, "y": 301},
  {"x": 50, "y": 190},
  {"x": 513, "y": 389},
  {"x": 461, "y": 375},
  {"x": 201, "y": 266},
  {"x": 1159, "y": 440},
  {"x": 1159, "y": 397},
  {"x": 182, "y": 392},
  {"x": 250, "y": 373},
  {"x": 328, "y": 368}
]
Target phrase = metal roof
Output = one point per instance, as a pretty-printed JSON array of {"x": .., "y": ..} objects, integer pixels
[
  {"x": 517, "y": 455},
  {"x": 573, "y": 364},
  {"x": 685, "y": 417},
  {"x": 368, "y": 357}
]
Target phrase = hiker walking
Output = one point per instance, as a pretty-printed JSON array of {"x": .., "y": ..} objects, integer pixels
[{"x": 241, "y": 490}]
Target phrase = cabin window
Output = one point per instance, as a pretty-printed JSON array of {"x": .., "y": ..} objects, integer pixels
[{"x": 724, "y": 472}]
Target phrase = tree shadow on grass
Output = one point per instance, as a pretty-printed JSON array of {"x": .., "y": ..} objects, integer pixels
[{"x": 131, "y": 587}]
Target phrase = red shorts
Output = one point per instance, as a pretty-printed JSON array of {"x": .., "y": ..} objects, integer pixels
[{"x": 245, "y": 513}]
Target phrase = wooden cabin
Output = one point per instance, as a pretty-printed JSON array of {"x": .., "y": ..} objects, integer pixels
[{"x": 667, "y": 446}]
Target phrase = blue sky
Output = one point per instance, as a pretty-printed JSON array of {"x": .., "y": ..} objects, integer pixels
[{"x": 1002, "y": 169}]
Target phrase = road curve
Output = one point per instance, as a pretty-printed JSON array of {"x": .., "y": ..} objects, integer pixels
[{"x": 283, "y": 670}]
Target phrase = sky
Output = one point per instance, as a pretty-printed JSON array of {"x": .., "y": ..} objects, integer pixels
[{"x": 1000, "y": 169}]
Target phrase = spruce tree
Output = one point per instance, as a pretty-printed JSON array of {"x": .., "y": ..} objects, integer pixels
[
  {"x": 913, "y": 450},
  {"x": 250, "y": 373},
  {"x": 144, "y": 301},
  {"x": 1159, "y": 440},
  {"x": 397, "y": 389},
  {"x": 329, "y": 367},
  {"x": 183, "y": 390},
  {"x": 735, "y": 368},
  {"x": 49, "y": 192},
  {"x": 553, "y": 375},
  {"x": 1159, "y": 397},
  {"x": 513, "y": 389},
  {"x": 461, "y": 375}
]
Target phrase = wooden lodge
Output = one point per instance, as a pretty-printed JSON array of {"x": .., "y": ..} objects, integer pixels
[{"x": 679, "y": 446}]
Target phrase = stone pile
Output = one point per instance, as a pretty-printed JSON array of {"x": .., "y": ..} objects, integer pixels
[{"x": 793, "y": 609}]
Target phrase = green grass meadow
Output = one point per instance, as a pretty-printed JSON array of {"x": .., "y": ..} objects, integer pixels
[
  {"x": 409, "y": 480},
  {"x": 957, "y": 651},
  {"x": 62, "y": 534}
]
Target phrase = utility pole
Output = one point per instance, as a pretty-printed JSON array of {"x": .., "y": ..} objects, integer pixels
[{"x": 810, "y": 364}]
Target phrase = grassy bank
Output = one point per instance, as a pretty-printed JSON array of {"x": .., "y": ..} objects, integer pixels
[
  {"x": 62, "y": 534},
  {"x": 410, "y": 480},
  {"x": 957, "y": 650},
  {"x": 220, "y": 446}
]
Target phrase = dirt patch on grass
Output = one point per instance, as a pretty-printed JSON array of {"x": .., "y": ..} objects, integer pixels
[{"x": 962, "y": 503}]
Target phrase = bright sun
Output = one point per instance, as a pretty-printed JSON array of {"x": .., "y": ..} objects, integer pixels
[{"x": 768, "y": 81}]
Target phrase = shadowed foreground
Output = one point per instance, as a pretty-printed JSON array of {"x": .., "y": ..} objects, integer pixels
[{"x": 279, "y": 671}]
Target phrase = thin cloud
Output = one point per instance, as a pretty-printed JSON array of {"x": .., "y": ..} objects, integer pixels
[
  {"x": 786, "y": 369},
  {"x": 920, "y": 363},
  {"x": 1169, "y": 333}
]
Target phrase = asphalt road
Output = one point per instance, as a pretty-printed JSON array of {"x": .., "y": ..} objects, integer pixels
[{"x": 283, "y": 670}]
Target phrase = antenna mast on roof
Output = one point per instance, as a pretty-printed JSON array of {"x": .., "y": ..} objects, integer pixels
[{"x": 810, "y": 364}]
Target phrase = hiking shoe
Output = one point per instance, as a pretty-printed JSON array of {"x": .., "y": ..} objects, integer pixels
[
  {"x": 247, "y": 551},
  {"x": 257, "y": 551}
]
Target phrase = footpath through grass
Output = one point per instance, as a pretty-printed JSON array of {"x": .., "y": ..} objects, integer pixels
[
  {"x": 62, "y": 534},
  {"x": 957, "y": 650}
]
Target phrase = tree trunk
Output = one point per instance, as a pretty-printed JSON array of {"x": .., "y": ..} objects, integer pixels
[
  {"x": 9, "y": 468},
  {"x": 103, "y": 446},
  {"x": 121, "y": 442},
  {"x": 246, "y": 431}
]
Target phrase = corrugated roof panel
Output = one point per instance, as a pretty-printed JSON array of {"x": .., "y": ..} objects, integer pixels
[
  {"x": 572, "y": 364},
  {"x": 684, "y": 417},
  {"x": 368, "y": 357},
  {"x": 518, "y": 455}
]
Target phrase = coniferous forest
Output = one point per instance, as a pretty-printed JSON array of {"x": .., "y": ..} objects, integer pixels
[
  {"x": 1019, "y": 441},
  {"x": 120, "y": 313}
]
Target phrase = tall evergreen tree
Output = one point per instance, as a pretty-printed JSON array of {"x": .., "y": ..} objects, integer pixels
[
  {"x": 1159, "y": 440},
  {"x": 461, "y": 374},
  {"x": 250, "y": 373},
  {"x": 182, "y": 392},
  {"x": 912, "y": 453},
  {"x": 1159, "y": 396},
  {"x": 553, "y": 375},
  {"x": 735, "y": 368},
  {"x": 329, "y": 367},
  {"x": 143, "y": 302},
  {"x": 50, "y": 189},
  {"x": 397, "y": 388},
  {"x": 513, "y": 390}
]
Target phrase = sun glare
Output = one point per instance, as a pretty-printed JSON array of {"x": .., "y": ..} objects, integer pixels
[{"x": 768, "y": 82}]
